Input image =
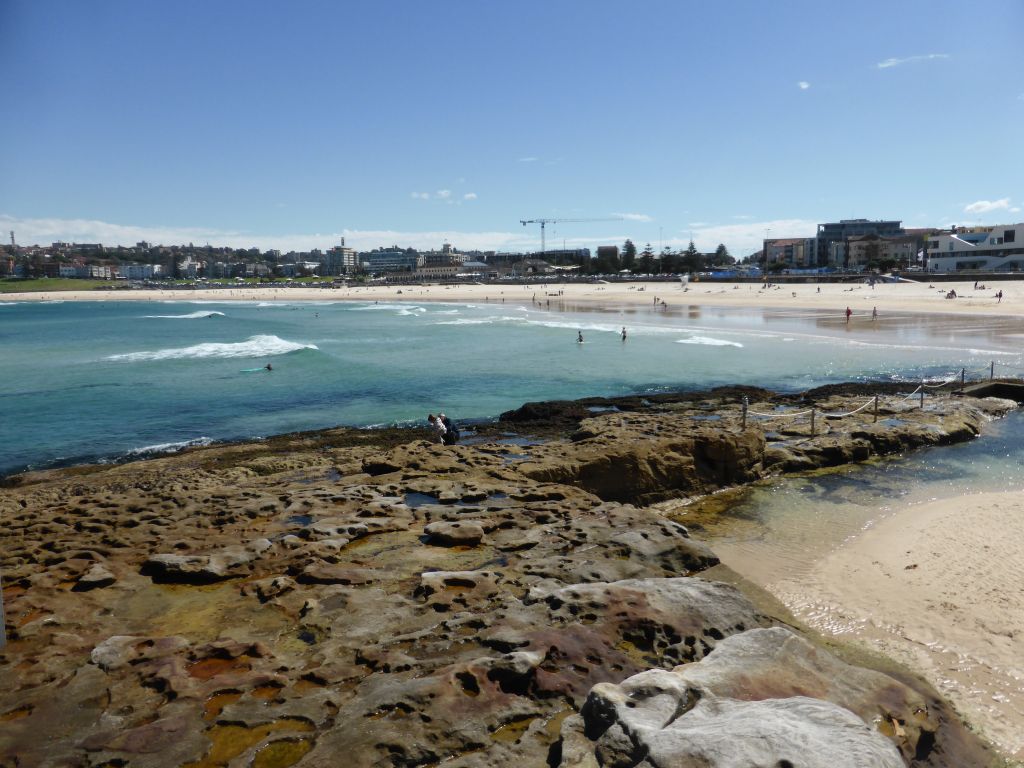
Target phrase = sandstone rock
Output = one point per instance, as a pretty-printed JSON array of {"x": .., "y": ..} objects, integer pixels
[
  {"x": 806, "y": 699},
  {"x": 388, "y": 652},
  {"x": 96, "y": 577},
  {"x": 467, "y": 533},
  {"x": 333, "y": 574},
  {"x": 641, "y": 731},
  {"x": 204, "y": 569}
]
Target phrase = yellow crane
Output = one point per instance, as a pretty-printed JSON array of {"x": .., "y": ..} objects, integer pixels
[{"x": 544, "y": 222}]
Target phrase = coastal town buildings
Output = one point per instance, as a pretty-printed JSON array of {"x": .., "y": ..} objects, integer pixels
[
  {"x": 849, "y": 245},
  {"x": 791, "y": 253},
  {"x": 859, "y": 252},
  {"x": 844, "y": 229},
  {"x": 993, "y": 248}
]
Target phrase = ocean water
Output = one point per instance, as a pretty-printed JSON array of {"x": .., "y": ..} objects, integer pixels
[{"x": 100, "y": 380}]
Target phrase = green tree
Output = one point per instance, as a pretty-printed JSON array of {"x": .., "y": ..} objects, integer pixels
[
  {"x": 647, "y": 260},
  {"x": 691, "y": 259},
  {"x": 722, "y": 257},
  {"x": 628, "y": 256}
]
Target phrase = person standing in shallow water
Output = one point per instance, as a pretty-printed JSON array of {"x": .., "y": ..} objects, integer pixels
[
  {"x": 848, "y": 313},
  {"x": 623, "y": 333},
  {"x": 579, "y": 337}
]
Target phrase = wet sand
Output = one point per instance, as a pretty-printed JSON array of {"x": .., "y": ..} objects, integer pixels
[{"x": 936, "y": 586}]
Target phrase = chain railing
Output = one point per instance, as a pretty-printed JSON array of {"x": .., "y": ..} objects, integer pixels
[{"x": 919, "y": 391}]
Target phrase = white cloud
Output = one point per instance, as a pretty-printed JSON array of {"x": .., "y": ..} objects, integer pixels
[
  {"x": 986, "y": 206},
  {"x": 469, "y": 196},
  {"x": 444, "y": 194},
  {"x": 527, "y": 160},
  {"x": 895, "y": 62},
  {"x": 741, "y": 239},
  {"x": 803, "y": 85},
  {"x": 1015, "y": 209},
  {"x": 634, "y": 216},
  {"x": 744, "y": 239},
  {"x": 421, "y": 195},
  {"x": 43, "y": 231},
  {"x": 741, "y": 216}
]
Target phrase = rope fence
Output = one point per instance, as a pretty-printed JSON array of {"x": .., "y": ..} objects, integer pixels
[{"x": 919, "y": 392}]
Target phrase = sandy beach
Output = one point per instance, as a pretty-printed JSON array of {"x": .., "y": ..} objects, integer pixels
[
  {"x": 935, "y": 585},
  {"x": 862, "y": 299}
]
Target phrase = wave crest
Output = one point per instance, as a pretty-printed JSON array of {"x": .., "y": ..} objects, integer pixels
[
  {"x": 254, "y": 346},
  {"x": 190, "y": 316},
  {"x": 709, "y": 342}
]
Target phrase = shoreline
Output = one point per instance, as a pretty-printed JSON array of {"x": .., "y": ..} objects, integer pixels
[
  {"x": 833, "y": 297},
  {"x": 935, "y": 586}
]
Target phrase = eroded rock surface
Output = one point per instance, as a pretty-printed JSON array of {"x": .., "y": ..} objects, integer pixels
[
  {"x": 412, "y": 605},
  {"x": 761, "y": 697}
]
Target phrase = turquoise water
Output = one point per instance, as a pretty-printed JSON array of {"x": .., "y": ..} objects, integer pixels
[{"x": 85, "y": 381}]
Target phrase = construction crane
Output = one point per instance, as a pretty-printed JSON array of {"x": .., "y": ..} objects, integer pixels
[{"x": 545, "y": 222}]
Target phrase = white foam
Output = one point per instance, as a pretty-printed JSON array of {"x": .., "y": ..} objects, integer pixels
[
  {"x": 190, "y": 316},
  {"x": 708, "y": 341},
  {"x": 254, "y": 346},
  {"x": 169, "y": 447}
]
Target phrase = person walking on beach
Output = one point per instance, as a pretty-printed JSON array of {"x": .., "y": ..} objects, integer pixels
[
  {"x": 848, "y": 313},
  {"x": 874, "y": 314}
]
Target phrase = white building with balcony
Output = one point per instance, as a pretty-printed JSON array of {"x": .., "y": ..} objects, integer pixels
[{"x": 988, "y": 249}]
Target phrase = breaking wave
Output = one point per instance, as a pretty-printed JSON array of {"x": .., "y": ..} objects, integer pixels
[
  {"x": 254, "y": 346},
  {"x": 190, "y": 316},
  {"x": 708, "y": 341},
  {"x": 159, "y": 448}
]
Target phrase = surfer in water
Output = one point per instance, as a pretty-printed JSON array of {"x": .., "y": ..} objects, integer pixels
[
  {"x": 269, "y": 367},
  {"x": 623, "y": 333},
  {"x": 579, "y": 337}
]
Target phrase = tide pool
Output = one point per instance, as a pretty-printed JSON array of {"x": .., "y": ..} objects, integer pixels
[{"x": 95, "y": 381}]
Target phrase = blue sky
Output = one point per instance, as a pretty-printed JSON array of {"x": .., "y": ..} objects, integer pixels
[{"x": 291, "y": 124}]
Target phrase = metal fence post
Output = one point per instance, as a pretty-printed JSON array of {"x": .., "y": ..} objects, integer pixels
[
  {"x": 963, "y": 379},
  {"x": 922, "y": 394},
  {"x": 876, "y": 409},
  {"x": 992, "y": 370},
  {"x": 746, "y": 402}
]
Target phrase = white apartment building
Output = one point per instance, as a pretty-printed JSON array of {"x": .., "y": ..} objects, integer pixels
[
  {"x": 139, "y": 271},
  {"x": 991, "y": 249}
]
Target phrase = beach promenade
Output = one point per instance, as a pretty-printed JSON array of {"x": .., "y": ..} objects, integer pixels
[{"x": 934, "y": 585}]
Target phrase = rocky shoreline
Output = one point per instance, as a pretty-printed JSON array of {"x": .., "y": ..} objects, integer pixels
[{"x": 516, "y": 600}]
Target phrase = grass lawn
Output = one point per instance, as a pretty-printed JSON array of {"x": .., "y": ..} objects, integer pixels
[{"x": 50, "y": 284}]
